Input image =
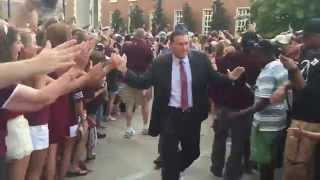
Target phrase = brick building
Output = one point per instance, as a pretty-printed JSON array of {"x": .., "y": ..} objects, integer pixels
[
  {"x": 96, "y": 12},
  {"x": 237, "y": 10}
]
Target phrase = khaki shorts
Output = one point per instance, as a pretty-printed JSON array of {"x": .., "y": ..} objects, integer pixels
[
  {"x": 131, "y": 96},
  {"x": 299, "y": 153}
]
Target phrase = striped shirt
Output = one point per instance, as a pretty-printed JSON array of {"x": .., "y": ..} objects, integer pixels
[{"x": 273, "y": 117}]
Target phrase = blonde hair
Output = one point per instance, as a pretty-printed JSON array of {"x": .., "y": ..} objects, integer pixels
[{"x": 27, "y": 39}]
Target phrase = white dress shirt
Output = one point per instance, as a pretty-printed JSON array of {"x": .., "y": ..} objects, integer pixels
[{"x": 175, "y": 98}]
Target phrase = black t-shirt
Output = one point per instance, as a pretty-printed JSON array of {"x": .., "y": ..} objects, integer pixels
[
  {"x": 113, "y": 79},
  {"x": 94, "y": 104},
  {"x": 306, "y": 102},
  {"x": 5, "y": 94}
]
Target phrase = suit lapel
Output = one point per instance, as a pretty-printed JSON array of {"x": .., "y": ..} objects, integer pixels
[
  {"x": 168, "y": 73},
  {"x": 193, "y": 68}
]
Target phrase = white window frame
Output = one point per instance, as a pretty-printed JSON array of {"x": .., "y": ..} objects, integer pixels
[
  {"x": 75, "y": 10},
  {"x": 99, "y": 11},
  {"x": 151, "y": 16},
  {"x": 177, "y": 17},
  {"x": 206, "y": 20},
  {"x": 241, "y": 24}
]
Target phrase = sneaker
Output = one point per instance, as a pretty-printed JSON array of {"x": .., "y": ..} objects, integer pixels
[
  {"x": 158, "y": 160},
  {"x": 111, "y": 118},
  {"x": 158, "y": 163},
  {"x": 129, "y": 133},
  {"x": 145, "y": 131},
  {"x": 182, "y": 175},
  {"x": 101, "y": 135},
  {"x": 91, "y": 156}
]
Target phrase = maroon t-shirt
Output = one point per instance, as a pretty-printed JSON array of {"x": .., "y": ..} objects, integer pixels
[
  {"x": 62, "y": 117},
  {"x": 238, "y": 97},
  {"x": 139, "y": 55},
  {"x": 38, "y": 118}
]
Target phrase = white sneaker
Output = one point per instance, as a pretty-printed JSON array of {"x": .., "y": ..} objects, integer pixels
[
  {"x": 129, "y": 133},
  {"x": 182, "y": 174},
  {"x": 111, "y": 118},
  {"x": 181, "y": 177}
]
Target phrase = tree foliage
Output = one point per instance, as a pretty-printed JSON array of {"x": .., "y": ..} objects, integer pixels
[
  {"x": 117, "y": 21},
  {"x": 220, "y": 20},
  {"x": 275, "y": 16},
  {"x": 187, "y": 19},
  {"x": 137, "y": 18},
  {"x": 158, "y": 21}
]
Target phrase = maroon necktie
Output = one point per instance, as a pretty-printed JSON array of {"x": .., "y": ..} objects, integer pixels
[{"x": 184, "y": 87}]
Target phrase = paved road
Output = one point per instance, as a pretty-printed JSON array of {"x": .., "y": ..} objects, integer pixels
[{"x": 123, "y": 159}]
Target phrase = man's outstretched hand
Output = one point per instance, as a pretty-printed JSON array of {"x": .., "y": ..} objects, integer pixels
[{"x": 119, "y": 62}]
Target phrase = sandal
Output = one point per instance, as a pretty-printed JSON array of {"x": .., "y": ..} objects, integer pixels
[
  {"x": 83, "y": 166},
  {"x": 77, "y": 173}
]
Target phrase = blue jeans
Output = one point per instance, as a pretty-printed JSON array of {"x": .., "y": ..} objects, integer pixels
[{"x": 99, "y": 113}]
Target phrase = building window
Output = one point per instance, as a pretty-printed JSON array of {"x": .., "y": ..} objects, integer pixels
[
  {"x": 178, "y": 17},
  {"x": 242, "y": 19},
  {"x": 206, "y": 20},
  {"x": 75, "y": 11},
  {"x": 110, "y": 17},
  {"x": 151, "y": 16},
  {"x": 99, "y": 12}
]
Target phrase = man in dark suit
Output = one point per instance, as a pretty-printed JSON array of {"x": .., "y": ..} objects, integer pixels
[{"x": 180, "y": 80}]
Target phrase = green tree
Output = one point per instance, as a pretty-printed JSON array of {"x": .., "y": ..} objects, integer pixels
[
  {"x": 187, "y": 19},
  {"x": 137, "y": 18},
  {"x": 220, "y": 20},
  {"x": 158, "y": 21},
  {"x": 275, "y": 16},
  {"x": 117, "y": 21}
]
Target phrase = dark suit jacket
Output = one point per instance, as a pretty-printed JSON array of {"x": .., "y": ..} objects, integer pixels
[{"x": 159, "y": 76}]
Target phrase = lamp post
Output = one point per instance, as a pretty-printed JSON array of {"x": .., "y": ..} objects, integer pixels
[
  {"x": 9, "y": 8},
  {"x": 129, "y": 16},
  {"x": 64, "y": 7}
]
